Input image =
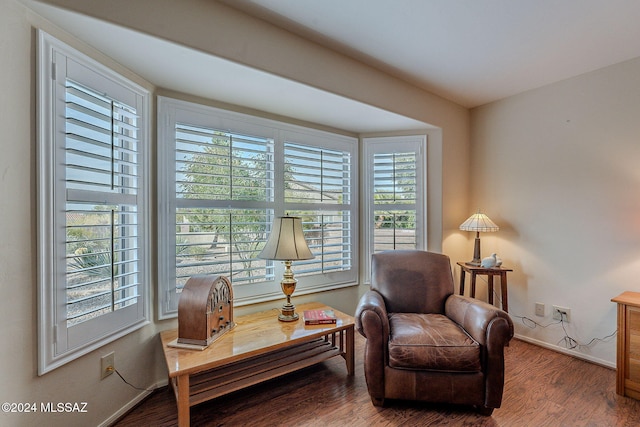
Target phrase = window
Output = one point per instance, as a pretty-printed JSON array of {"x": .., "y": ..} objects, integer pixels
[
  {"x": 396, "y": 193},
  {"x": 92, "y": 193},
  {"x": 224, "y": 176},
  {"x": 318, "y": 188}
]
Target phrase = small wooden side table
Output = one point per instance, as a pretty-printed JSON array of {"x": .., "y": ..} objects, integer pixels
[{"x": 489, "y": 272}]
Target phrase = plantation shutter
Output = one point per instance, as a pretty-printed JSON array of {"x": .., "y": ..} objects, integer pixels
[
  {"x": 101, "y": 178},
  {"x": 394, "y": 192},
  {"x": 223, "y": 178},
  {"x": 395, "y": 185},
  {"x": 222, "y": 181},
  {"x": 317, "y": 186},
  {"x": 92, "y": 195}
]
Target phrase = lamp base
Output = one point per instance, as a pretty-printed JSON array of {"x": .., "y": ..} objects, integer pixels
[
  {"x": 288, "y": 313},
  {"x": 475, "y": 262},
  {"x": 288, "y": 285}
]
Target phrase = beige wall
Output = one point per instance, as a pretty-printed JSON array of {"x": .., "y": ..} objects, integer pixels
[
  {"x": 238, "y": 38},
  {"x": 558, "y": 169}
]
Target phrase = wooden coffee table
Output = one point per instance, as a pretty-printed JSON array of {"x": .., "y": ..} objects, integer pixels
[{"x": 259, "y": 348}]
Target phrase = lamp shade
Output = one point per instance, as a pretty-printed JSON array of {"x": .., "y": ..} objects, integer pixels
[
  {"x": 479, "y": 222},
  {"x": 286, "y": 241}
]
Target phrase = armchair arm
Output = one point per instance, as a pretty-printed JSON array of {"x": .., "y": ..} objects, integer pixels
[
  {"x": 372, "y": 322},
  {"x": 371, "y": 317},
  {"x": 493, "y": 329},
  {"x": 487, "y": 324}
]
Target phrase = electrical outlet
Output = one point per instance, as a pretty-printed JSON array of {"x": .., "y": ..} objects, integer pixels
[
  {"x": 107, "y": 365},
  {"x": 562, "y": 313},
  {"x": 540, "y": 309}
]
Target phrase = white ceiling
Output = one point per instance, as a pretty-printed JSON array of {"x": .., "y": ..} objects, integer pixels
[{"x": 469, "y": 51}]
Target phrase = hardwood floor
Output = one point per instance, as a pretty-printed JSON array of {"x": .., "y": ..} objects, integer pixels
[{"x": 542, "y": 388}]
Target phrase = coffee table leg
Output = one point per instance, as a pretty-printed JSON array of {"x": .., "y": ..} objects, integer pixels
[{"x": 183, "y": 400}]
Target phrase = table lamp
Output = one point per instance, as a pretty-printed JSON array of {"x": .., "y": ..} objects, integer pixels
[
  {"x": 478, "y": 222},
  {"x": 286, "y": 243}
]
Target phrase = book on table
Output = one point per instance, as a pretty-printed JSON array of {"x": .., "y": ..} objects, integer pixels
[{"x": 319, "y": 317}]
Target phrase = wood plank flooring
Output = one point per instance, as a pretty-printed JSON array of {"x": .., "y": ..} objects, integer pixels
[{"x": 542, "y": 388}]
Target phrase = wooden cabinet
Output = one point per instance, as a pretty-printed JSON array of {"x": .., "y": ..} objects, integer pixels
[{"x": 628, "y": 354}]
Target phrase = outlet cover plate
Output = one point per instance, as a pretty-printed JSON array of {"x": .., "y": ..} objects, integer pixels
[
  {"x": 105, "y": 362},
  {"x": 540, "y": 309},
  {"x": 557, "y": 313}
]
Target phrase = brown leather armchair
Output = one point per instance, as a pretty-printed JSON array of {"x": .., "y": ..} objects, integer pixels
[{"x": 425, "y": 343}]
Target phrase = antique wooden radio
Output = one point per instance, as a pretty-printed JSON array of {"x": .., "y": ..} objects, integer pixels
[{"x": 205, "y": 310}]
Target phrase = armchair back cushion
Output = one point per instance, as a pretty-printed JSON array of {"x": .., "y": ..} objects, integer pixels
[{"x": 412, "y": 281}]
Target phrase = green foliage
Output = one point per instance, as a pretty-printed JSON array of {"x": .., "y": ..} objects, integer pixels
[
  {"x": 221, "y": 173},
  {"x": 183, "y": 248},
  {"x": 402, "y": 220},
  {"x": 94, "y": 264}
]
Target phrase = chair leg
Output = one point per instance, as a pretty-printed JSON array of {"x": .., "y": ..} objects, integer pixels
[
  {"x": 483, "y": 410},
  {"x": 377, "y": 401}
]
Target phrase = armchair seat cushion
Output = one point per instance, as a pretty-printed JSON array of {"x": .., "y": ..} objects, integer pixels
[{"x": 431, "y": 342}]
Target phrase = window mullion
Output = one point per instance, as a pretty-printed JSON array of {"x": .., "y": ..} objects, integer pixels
[
  {"x": 113, "y": 149},
  {"x": 112, "y": 259}
]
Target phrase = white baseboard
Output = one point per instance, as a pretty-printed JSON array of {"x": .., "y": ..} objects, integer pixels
[
  {"x": 567, "y": 351},
  {"x": 133, "y": 402}
]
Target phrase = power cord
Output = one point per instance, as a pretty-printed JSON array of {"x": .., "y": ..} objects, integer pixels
[
  {"x": 532, "y": 324},
  {"x": 128, "y": 383},
  {"x": 569, "y": 342},
  {"x": 572, "y": 343}
]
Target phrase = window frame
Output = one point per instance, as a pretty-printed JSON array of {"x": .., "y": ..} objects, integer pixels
[
  {"x": 172, "y": 111},
  {"x": 391, "y": 145},
  {"x": 58, "y": 342}
]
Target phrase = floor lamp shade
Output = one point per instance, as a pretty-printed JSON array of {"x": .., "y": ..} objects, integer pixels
[
  {"x": 287, "y": 243},
  {"x": 478, "y": 222}
]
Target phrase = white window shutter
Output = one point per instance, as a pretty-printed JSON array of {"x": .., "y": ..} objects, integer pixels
[
  {"x": 224, "y": 176},
  {"x": 92, "y": 197}
]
